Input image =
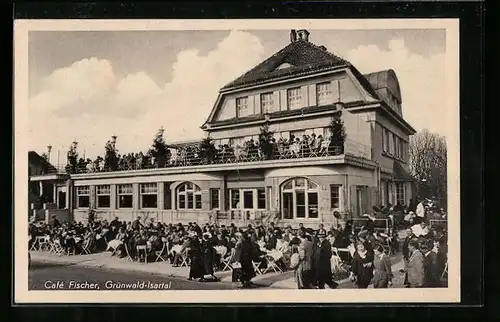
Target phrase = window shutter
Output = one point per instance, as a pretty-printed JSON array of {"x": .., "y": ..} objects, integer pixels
[
  {"x": 304, "y": 98},
  {"x": 251, "y": 105},
  {"x": 353, "y": 209},
  {"x": 312, "y": 95},
  {"x": 283, "y": 100},
  {"x": 258, "y": 108},
  {"x": 276, "y": 102}
]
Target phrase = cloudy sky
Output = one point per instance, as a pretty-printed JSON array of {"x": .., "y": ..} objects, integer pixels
[{"x": 87, "y": 86}]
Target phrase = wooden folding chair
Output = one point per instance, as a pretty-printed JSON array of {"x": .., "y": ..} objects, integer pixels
[
  {"x": 144, "y": 250},
  {"x": 227, "y": 261},
  {"x": 445, "y": 271},
  {"x": 256, "y": 267},
  {"x": 271, "y": 264},
  {"x": 127, "y": 252},
  {"x": 161, "y": 253},
  {"x": 57, "y": 248},
  {"x": 185, "y": 258},
  {"x": 43, "y": 243},
  {"x": 86, "y": 247}
]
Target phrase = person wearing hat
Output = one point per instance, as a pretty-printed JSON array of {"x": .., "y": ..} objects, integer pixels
[
  {"x": 304, "y": 271},
  {"x": 55, "y": 222},
  {"x": 197, "y": 267},
  {"x": 322, "y": 264},
  {"x": 245, "y": 253},
  {"x": 209, "y": 255},
  {"x": 136, "y": 224},
  {"x": 362, "y": 267}
]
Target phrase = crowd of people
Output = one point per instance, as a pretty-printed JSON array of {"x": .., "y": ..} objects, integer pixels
[
  {"x": 313, "y": 254},
  {"x": 189, "y": 154}
]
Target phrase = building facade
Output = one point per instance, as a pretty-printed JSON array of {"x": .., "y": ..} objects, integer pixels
[{"x": 295, "y": 93}]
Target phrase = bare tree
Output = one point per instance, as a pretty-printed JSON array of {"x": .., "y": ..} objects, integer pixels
[{"x": 428, "y": 164}]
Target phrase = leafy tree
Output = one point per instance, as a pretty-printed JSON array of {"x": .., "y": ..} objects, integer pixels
[
  {"x": 159, "y": 151},
  {"x": 111, "y": 157},
  {"x": 207, "y": 150},
  {"x": 428, "y": 164},
  {"x": 266, "y": 142},
  {"x": 337, "y": 130}
]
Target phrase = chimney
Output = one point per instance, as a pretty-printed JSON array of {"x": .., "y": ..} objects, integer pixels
[
  {"x": 293, "y": 35},
  {"x": 303, "y": 34}
]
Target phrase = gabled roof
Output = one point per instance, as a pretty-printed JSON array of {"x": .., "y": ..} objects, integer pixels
[
  {"x": 35, "y": 158},
  {"x": 302, "y": 55}
]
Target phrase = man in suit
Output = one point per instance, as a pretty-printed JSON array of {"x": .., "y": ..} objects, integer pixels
[
  {"x": 406, "y": 251},
  {"x": 322, "y": 262},
  {"x": 415, "y": 267},
  {"x": 306, "y": 260},
  {"x": 431, "y": 266}
]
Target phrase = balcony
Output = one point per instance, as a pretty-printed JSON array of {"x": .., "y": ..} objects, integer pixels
[{"x": 190, "y": 155}]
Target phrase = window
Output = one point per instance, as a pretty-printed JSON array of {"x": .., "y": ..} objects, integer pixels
[
  {"x": 400, "y": 193},
  {"x": 235, "y": 198},
  {"x": 248, "y": 199},
  {"x": 324, "y": 93},
  {"x": 167, "y": 195},
  {"x": 396, "y": 145},
  {"x": 83, "y": 196},
  {"x": 266, "y": 102},
  {"x": 391, "y": 144},
  {"x": 125, "y": 196},
  {"x": 261, "y": 198},
  {"x": 214, "y": 199},
  {"x": 385, "y": 140},
  {"x": 293, "y": 98},
  {"x": 242, "y": 109},
  {"x": 149, "y": 195},
  {"x": 299, "y": 199},
  {"x": 188, "y": 196},
  {"x": 335, "y": 196}
]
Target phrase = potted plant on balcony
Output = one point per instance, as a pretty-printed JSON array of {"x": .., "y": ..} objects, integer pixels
[
  {"x": 338, "y": 135},
  {"x": 266, "y": 142},
  {"x": 207, "y": 150},
  {"x": 160, "y": 151},
  {"x": 110, "y": 157}
]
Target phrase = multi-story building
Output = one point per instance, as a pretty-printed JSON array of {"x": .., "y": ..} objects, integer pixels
[{"x": 296, "y": 92}]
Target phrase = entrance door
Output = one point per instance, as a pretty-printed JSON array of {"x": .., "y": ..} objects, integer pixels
[
  {"x": 287, "y": 205},
  {"x": 61, "y": 200}
]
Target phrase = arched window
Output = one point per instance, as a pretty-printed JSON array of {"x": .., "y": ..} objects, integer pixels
[
  {"x": 299, "y": 199},
  {"x": 188, "y": 196}
]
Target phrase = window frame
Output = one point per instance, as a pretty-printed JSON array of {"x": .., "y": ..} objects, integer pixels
[
  {"x": 211, "y": 191},
  {"x": 147, "y": 193},
  {"x": 338, "y": 188},
  {"x": 120, "y": 193},
  {"x": 80, "y": 194},
  {"x": 239, "y": 106},
  {"x": 324, "y": 97},
  {"x": 297, "y": 98},
  {"x": 188, "y": 187},
  {"x": 266, "y": 106},
  {"x": 306, "y": 190},
  {"x": 398, "y": 192}
]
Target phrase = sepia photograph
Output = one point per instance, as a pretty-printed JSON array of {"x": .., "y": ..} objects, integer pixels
[{"x": 237, "y": 161}]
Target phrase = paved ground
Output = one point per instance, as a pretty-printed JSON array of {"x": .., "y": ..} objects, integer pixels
[{"x": 46, "y": 276}]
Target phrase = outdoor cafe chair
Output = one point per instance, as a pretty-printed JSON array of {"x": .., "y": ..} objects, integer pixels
[
  {"x": 160, "y": 254},
  {"x": 86, "y": 247},
  {"x": 271, "y": 264},
  {"x": 185, "y": 258},
  {"x": 227, "y": 261},
  {"x": 445, "y": 271},
  {"x": 144, "y": 250},
  {"x": 127, "y": 252},
  {"x": 256, "y": 265}
]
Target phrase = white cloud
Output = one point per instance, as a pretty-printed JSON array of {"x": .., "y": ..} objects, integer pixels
[
  {"x": 86, "y": 101},
  {"x": 422, "y": 81}
]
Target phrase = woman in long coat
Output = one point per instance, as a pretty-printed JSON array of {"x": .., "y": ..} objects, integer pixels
[
  {"x": 362, "y": 267},
  {"x": 245, "y": 253},
  {"x": 209, "y": 254},
  {"x": 322, "y": 260},
  {"x": 197, "y": 269}
]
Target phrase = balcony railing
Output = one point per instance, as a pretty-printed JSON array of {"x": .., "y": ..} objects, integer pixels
[{"x": 191, "y": 155}]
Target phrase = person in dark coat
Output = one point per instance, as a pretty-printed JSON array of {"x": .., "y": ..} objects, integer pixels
[
  {"x": 431, "y": 266},
  {"x": 322, "y": 263},
  {"x": 208, "y": 255},
  {"x": 197, "y": 269},
  {"x": 406, "y": 251},
  {"x": 362, "y": 267},
  {"x": 245, "y": 253}
]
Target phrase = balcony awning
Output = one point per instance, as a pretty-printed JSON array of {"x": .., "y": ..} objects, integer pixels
[{"x": 400, "y": 174}]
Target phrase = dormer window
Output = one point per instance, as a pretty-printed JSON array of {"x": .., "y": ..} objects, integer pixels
[
  {"x": 242, "y": 109},
  {"x": 284, "y": 66}
]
